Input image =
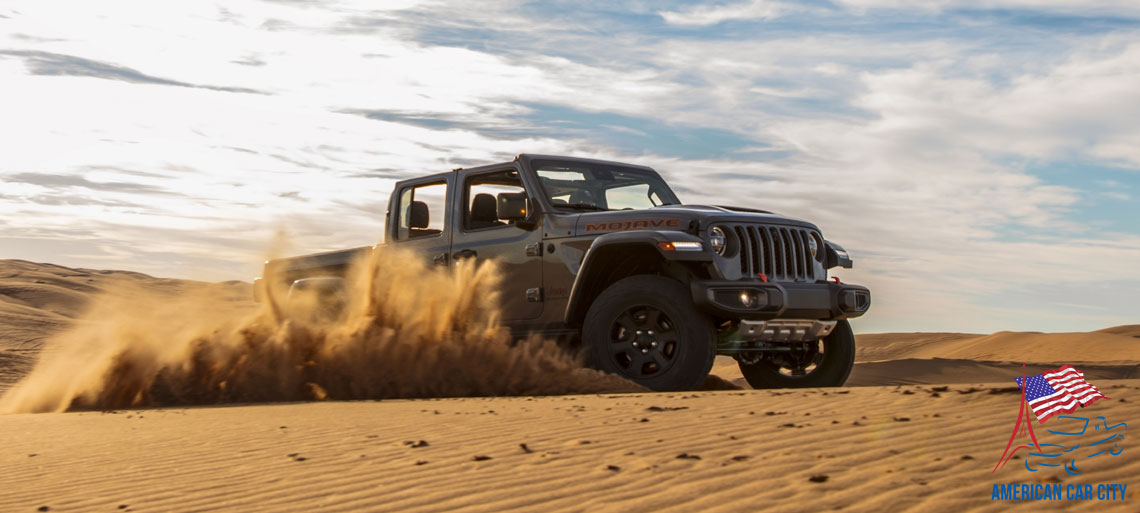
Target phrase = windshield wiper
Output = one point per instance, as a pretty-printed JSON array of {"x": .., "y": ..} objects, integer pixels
[{"x": 582, "y": 206}]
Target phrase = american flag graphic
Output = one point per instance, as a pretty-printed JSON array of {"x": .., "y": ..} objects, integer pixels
[{"x": 1058, "y": 391}]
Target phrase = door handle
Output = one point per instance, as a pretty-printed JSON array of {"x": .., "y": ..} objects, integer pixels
[
  {"x": 440, "y": 259},
  {"x": 467, "y": 253}
]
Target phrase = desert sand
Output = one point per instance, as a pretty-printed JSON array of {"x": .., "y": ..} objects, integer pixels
[{"x": 919, "y": 427}]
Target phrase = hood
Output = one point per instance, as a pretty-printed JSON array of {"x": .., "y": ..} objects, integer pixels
[{"x": 688, "y": 218}]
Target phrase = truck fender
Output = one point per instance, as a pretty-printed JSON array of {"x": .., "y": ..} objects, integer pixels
[
  {"x": 603, "y": 248},
  {"x": 836, "y": 256}
]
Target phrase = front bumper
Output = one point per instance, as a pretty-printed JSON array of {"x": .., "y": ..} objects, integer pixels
[{"x": 749, "y": 299}]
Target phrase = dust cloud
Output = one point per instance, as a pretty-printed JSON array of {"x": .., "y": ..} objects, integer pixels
[{"x": 406, "y": 330}]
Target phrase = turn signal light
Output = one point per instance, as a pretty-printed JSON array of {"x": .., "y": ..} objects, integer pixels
[{"x": 680, "y": 246}]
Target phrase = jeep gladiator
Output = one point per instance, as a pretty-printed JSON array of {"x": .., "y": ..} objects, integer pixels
[{"x": 602, "y": 256}]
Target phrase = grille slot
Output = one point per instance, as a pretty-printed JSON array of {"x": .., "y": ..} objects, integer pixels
[
  {"x": 747, "y": 255},
  {"x": 779, "y": 252}
]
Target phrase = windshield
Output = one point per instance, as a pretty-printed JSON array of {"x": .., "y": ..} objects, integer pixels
[{"x": 583, "y": 186}]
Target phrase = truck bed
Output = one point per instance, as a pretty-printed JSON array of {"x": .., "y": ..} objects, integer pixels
[{"x": 326, "y": 264}]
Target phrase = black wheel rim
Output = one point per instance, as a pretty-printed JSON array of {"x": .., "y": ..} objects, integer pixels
[{"x": 643, "y": 342}]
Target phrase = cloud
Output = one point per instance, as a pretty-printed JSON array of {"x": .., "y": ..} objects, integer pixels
[
  {"x": 249, "y": 60},
  {"x": 761, "y": 10},
  {"x": 75, "y": 200},
  {"x": 927, "y": 142},
  {"x": 1082, "y": 105},
  {"x": 61, "y": 181},
  {"x": 293, "y": 195},
  {"x": 710, "y": 15},
  {"x": 1076, "y": 7},
  {"x": 47, "y": 63}
]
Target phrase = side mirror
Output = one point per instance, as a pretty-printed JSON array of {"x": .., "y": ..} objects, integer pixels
[{"x": 514, "y": 208}]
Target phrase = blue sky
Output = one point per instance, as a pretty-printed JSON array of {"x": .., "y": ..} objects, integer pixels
[{"x": 979, "y": 159}]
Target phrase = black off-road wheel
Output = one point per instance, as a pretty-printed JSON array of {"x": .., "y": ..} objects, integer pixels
[
  {"x": 647, "y": 330},
  {"x": 821, "y": 363}
]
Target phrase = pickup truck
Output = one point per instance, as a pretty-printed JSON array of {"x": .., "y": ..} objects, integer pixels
[{"x": 603, "y": 257}]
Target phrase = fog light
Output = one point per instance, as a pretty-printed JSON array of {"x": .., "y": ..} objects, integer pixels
[
  {"x": 735, "y": 299},
  {"x": 854, "y": 300}
]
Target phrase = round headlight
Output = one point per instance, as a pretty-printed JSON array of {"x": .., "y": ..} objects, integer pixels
[{"x": 718, "y": 240}]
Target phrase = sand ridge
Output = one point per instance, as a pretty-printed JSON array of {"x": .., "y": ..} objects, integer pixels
[{"x": 928, "y": 449}]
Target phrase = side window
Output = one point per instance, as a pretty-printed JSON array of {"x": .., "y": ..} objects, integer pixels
[
  {"x": 422, "y": 209},
  {"x": 484, "y": 195}
]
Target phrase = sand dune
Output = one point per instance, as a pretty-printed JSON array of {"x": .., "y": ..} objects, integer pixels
[
  {"x": 913, "y": 358},
  {"x": 404, "y": 324},
  {"x": 1128, "y": 330},
  {"x": 889, "y": 346},
  {"x": 938, "y": 358},
  {"x": 38, "y": 301},
  {"x": 910, "y": 371},
  {"x": 866, "y": 447},
  {"x": 930, "y": 371},
  {"x": 1110, "y": 345},
  {"x": 858, "y": 449}
]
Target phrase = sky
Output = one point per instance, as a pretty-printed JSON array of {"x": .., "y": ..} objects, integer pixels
[{"x": 979, "y": 159}]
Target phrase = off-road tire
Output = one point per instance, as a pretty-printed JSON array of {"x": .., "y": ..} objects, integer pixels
[
  {"x": 832, "y": 371},
  {"x": 681, "y": 341}
]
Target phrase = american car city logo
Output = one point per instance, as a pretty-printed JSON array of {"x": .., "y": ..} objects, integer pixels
[{"x": 1056, "y": 394}]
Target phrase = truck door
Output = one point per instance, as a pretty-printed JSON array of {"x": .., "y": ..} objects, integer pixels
[
  {"x": 485, "y": 214},
  {"x": 419, "y": 217}
]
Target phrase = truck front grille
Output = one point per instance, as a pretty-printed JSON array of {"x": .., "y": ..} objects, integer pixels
[{"x": 779, "y": 252}]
